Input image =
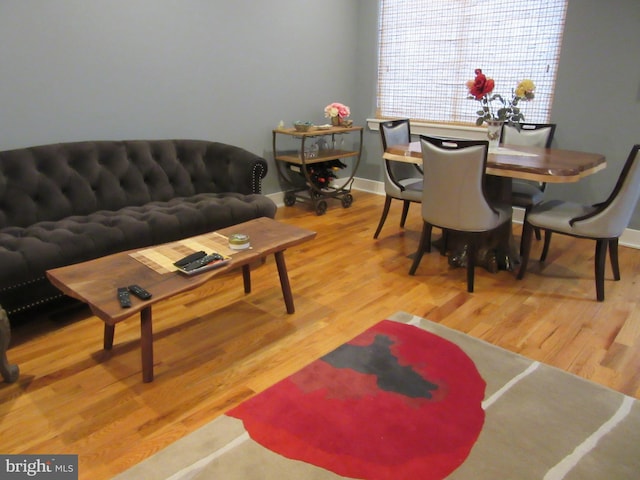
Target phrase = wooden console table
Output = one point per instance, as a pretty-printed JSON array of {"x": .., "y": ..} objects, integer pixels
[{"x": 296, "y": 166}]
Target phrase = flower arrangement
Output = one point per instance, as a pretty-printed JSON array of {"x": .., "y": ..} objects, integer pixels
[
  {"x": 336, "y": 110},
  {"x": 481, "y": 89}
]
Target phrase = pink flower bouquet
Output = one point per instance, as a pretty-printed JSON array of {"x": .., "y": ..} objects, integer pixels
[{"x": 336, "y": 110}]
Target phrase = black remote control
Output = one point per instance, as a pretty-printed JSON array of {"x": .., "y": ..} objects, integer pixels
[
  {"x": 124, "y": 298},
  {"x": 139, "y": 292},
  {"x": 202, "y": 262},
  {"x": 190, "y": 258}
]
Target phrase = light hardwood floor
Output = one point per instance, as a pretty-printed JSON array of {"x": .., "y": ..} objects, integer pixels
[{"x": 215, "y": 346}]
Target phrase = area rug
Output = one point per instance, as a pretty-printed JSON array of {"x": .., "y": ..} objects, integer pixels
[{"x": 411, "y": 399}]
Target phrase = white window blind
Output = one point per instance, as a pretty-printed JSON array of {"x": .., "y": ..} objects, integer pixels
[{"x": 429, "y": 49}]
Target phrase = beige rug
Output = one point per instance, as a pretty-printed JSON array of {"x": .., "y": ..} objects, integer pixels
[{"x": 539, "y": 423}]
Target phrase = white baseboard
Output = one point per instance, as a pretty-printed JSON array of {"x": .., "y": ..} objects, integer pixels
[{"x": 630, "y": 237}]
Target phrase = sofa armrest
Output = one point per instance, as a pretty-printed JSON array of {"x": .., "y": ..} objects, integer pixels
[
  {"x": 247, "y": 170},
  {"x": 243, "y": 170},
  {"x": 8, "y": 371}
]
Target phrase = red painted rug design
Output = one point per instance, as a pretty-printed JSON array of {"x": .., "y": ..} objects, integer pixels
[{"x": 396, "y": 402}]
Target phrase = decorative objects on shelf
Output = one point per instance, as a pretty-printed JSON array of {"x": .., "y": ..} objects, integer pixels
[
  {"x": 481, "y": 89},
  {"x": 337, "y": 112},
  {"x": 302, "y": 126},
  {"x": 323, "y": 173}
]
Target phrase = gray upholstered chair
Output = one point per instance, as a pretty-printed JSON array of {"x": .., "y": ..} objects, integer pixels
[
  {"x": 603, "y": 222},
  {"x": 398, "y": 184},
  {"x": 526, "y": 193},
  {"x": 454, "y": 196}
]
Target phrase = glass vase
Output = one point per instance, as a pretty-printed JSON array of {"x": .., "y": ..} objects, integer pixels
[
  {"x": 336, "y": 121},
  {"x": 494, "y": 130}
]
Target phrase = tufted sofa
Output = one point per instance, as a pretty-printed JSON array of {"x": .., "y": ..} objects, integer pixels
[{"x": 71, "y": 202}]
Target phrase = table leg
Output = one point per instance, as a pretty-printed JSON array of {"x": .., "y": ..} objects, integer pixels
[
  {"x": 497, "y": 249},
  {"x": 499, "y": 188},
  {"x": 284, "y": 282},
  {"x": 109, "y": 332},
  {"x": 146, "y": 344},
  {"x": 9, "y": 372},
  {"x": 246, "y": 278}
]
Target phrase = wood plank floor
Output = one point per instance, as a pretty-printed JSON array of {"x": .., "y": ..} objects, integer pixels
[{"x": 215, "y": 346}]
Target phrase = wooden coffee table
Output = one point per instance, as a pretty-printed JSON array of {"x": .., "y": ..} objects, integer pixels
[{"x": 95, "y": 282}]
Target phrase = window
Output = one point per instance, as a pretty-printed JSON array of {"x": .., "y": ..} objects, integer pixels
[{"x": 429, "y": 49}]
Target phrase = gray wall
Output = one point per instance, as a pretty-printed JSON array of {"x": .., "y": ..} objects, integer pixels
[
  {"x": 597, "y": 99},
  {"x": 231, "y": 70},
  {"x": 121, "y": 69}
]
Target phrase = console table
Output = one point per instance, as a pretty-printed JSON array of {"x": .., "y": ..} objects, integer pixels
[{"x": 297, "y": 164}]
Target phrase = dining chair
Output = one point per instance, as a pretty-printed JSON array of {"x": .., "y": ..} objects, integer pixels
[
  {"x": 398, "y": 184},
  {"x": 603, "y": 222},
  {"x": 526, "y": 193},
  {"x": 454, "y": 196}
]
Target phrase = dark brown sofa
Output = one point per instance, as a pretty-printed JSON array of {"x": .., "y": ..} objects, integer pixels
[{"x": 71, "y": 202}]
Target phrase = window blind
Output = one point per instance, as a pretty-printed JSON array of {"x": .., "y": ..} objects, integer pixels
[{"x": 429, "y": 49}]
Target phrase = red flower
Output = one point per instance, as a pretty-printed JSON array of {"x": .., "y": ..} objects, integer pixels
[{"x": 481, "y": 86}]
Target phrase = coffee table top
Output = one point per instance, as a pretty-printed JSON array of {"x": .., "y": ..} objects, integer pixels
[{"x": 95, "y": 282}]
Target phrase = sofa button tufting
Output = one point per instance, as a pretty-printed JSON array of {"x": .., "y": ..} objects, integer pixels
[{"x": 87, "y": 216}]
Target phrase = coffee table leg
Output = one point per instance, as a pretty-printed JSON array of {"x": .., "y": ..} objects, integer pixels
[
  {"x": 109, "y": 332},
  {"x": 284, "y": 282},
  {"x": 146, "y": 344},
  {"x": 246, "y": 278}
]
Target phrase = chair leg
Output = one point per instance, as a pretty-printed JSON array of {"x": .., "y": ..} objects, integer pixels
[
  {"x": 527, "y": 233},
  {"x": 601, "y": 255},
  {"x": 445, "y": 239},
  {"x": 613, "y": 255},
  {"x": 545, "y": 248},
  {"x": 537, "y": 232},
  {"x": 405, "y": 211},
  {"x": 385, "y": 212},
  {"x": 471, "y": 263},
  {"x": 535, "y": 229},
  {"x": 427, "y": 238},
  {"x": 424, "y": 245}
]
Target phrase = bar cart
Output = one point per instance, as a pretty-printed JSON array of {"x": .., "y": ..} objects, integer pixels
[{"x": 306, "y": 164}]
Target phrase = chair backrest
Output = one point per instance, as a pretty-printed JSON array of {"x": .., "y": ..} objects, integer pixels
[
  {"x": 395, "y": 132},
  {"x": 530, "y": 134},
  {"x": 454, "y": 196},
  {"x": 612, "y": 216}
]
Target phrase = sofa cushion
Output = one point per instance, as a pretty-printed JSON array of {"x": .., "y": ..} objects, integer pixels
[{"x": 29, "y": 251}]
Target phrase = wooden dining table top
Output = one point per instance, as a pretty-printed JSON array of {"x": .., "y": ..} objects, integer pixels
[{"x": 549, "y": 165}]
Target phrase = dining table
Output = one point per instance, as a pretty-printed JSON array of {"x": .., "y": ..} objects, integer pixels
[{"x": 505, "y": 163}]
